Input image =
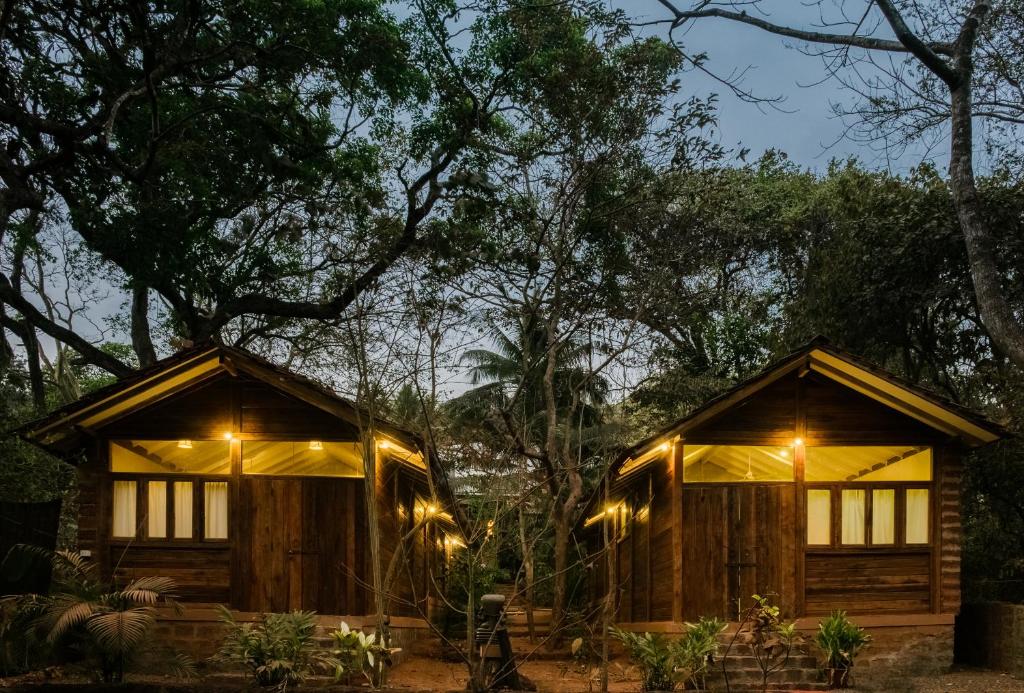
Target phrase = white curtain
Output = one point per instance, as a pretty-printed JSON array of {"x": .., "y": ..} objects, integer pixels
[
  {"x": 157, "y": 509},
  {"x": 819, "y": 516},
  {"x": 853, "y": 516},
  {"x": 124, "y": 509},
  {"x": 215, "y": 500},
  {"x": 917, "y": 516},
  {"x": 883, "y": 516},
  {"x": 182, "y": 509}
]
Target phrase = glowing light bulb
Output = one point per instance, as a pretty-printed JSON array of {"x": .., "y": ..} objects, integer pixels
[
  {"x": 798, "y": 441},
  {"x": 384, "y": 444},
  {"x": 228, "y": 435},
  {"x": 316, "y": 445},
  {"x": 185, "y": 444}
]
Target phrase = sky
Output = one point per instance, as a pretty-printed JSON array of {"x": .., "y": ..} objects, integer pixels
[{"x": 804, "y": 126}]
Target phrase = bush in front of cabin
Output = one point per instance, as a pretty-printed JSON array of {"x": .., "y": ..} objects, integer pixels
[
  {"x": 694, "y": 653},
  {"x": 771, "y": 640},
  {"x": 89, "y": 622},
  {"x": 357, "y": 652},
  {"x": 278, "y": 650},
  {"x": 652, "y": 654},
  {"x": 839, "y": 640}
]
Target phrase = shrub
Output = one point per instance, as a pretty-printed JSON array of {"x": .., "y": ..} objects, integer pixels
[
  {"x": 358, "y": 652},
  {"x": 83, "y": 618},
  {"x": 693, "y": 653},
  {"x": 277, "y": 650},
  {"x": 839, "y": 640},
  {"x": 653, "y": 655}
]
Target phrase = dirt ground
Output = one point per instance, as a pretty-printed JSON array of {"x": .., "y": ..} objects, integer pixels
[{"x": 418, "y": 673}]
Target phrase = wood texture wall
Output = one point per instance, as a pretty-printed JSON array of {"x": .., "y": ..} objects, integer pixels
[
  {"x": 294, "y": 542},
  {"x": 729, "y": 541}
]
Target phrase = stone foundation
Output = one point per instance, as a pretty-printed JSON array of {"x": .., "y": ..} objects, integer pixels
[{"x": 198, "y": 631}]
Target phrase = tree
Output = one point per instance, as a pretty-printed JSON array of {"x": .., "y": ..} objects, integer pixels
[{"x": 942, "y": 46}]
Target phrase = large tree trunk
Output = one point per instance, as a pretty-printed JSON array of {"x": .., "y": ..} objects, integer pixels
[
  {"x": 559, "y": 598},
  {"x": 1003, "y": 327}
]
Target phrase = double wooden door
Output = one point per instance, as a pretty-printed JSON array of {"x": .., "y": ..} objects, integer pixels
[
  {"x": 300, "y": 545},
  {"x": 738, "y": 540}
]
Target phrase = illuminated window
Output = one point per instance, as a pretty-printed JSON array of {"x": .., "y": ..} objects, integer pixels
[
  {"x": 917, "y": 516},
  {"x": 819, "y": 516},
  {"x": 883, "y": 516},
  {"x": 170, "y": 456},
  {"x": 302, "y": 458},
  {"x": 215, "y": 510},
  {"x": 718, "y": 463},
  {"x": 853, "y": 516},
  {"x": 124, "y": 509},
  {"x": 182, "y": 509},
  {"x": 156, "y": 493},
  {"x": 868, "y": 463}
]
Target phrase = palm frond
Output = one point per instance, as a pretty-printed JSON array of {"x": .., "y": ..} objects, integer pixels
[
  {"x": 66, "y": 614},
  {"x": 121, "y": 631},
  {"x": 149, "y": 589}
]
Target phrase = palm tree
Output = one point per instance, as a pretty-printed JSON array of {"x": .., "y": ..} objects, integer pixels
[{"x": 109, "y": 627}]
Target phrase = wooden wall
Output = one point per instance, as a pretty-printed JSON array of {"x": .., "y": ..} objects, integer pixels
[
  {"x": 732, "y": 540},
  {"x": 294, "y": 542}
]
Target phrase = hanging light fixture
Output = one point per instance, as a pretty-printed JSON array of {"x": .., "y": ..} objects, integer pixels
[
  {"x": 185, "y": 444},
  {"x": 316, "y": 445},
  {"x": 749, "y": 476}
]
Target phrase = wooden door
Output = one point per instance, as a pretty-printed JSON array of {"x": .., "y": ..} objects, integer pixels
[
  {"x": 300, "y": 545},
  {"x": 270, "y": 544},
  {"x": 738, "y": 541}
]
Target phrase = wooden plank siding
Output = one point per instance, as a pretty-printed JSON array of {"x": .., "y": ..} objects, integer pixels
[
  {"x": 708, "y": 547},
  {"x": 293, "y": 542}
]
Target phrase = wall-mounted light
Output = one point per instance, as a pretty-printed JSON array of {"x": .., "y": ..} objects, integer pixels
[
  {"x": 316, "y": 445},
  {"x": 228, "y": 435},
  {"x": 185, "y": 444},
  {"x": 798, "y": 442},
  {"x": 664, "y": 447},
  {"x": 384, "y": 444}
]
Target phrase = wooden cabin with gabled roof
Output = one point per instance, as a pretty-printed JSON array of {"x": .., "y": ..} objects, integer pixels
[
  {"x": 823, "y": 481},
  {"x": 245, "y": 483}
]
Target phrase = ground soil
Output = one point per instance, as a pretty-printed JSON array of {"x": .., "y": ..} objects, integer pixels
[{"x": 431, "y": 675}]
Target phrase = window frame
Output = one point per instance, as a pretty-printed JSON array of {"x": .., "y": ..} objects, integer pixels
[
  {"x": 198, "y": 481},
  {"x": 899, "y": 543}
]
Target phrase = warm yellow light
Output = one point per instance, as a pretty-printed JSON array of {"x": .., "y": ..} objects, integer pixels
[
  {"x": 610, "y": 509},
  {"x": 316, "y": 445},
  {"x": 663, "y": 447},
  {"x": 185, "y": 444},
  {"x": 431, "y": 509},
  {"x": 798, "y": 441},
  {"x": 384, "y": 444},
  {"x": 228, "y": 435},
  {"x": 784, "y": 452}
]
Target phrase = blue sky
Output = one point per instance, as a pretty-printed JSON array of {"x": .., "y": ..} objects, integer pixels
[{"x": 807, "y": 131}]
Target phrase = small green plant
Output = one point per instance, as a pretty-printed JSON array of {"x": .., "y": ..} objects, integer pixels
[
  {"x": 653, "y": 655},
  {"x": 277, "y": 650},
  {"x": 839, "y": 640},
  {"x": 355, "y": 651},
  {"x": 770, "y": 639},
  {"x": 693, "y": 653}
]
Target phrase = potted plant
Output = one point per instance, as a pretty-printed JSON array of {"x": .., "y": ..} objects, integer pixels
[{"x": 839, "y": 639}]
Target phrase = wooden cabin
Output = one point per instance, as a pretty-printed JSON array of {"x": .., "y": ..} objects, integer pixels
[
  {"x": 245, "y": 483},
  {"x": 823, "y": 481}
]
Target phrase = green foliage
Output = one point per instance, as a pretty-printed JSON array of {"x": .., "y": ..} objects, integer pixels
[
  {"x": 357, "y": 652},
  {"x": 277, "y": 650},
  {"x": 110, "y": 629},
  {"x": 653, "y": 654},
  {"x": 771, "y": 639},
  {"x": 839, "y": 640},
  {"x": 694, "y": 652}
]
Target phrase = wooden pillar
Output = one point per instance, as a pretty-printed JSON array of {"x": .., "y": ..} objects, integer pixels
[
  {"x": 676, "y": 479},
  {"x": 800, "y": 525}
]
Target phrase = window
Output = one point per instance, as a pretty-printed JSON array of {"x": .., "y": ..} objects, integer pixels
[
  {"x": 215, "y": 515},
  {"x": 182, "y": 509},
  {"x": 853, "y": 516},
  {"x": 868, "y": 463},
  {"x": 718, "y": 463},
  {"x": 302, "y": 458},
  {"x": 883, "y": 516},
  {"x": 124, "y": 509},
  {"x": 170, "y": 456},
  {"x": 156, "y": 493},
  {"x": 917, "y": 516},
  {"x": 819, "y": 516},
  {"x": 877, "y": 495}
]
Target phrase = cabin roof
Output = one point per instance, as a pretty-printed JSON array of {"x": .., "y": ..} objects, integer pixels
[
  {"x": 822, "y": 357},
  {"x": 69, "y": 427}
]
